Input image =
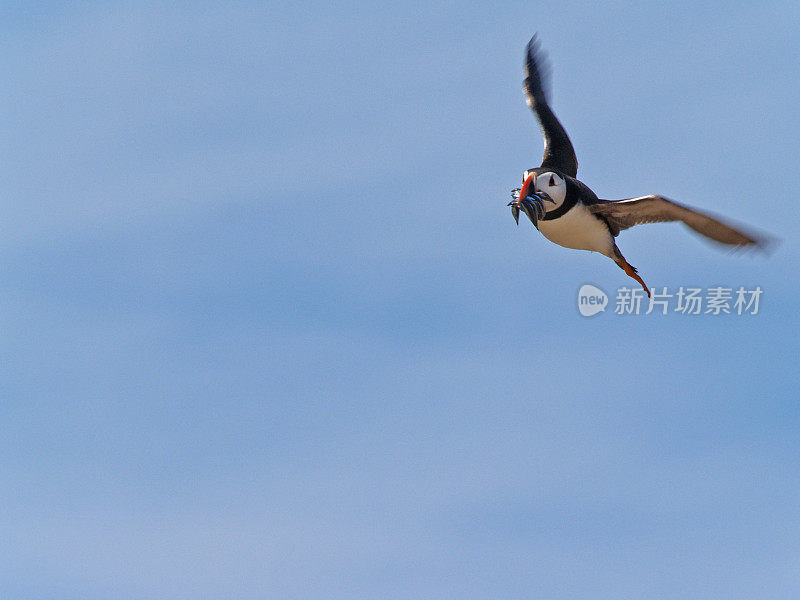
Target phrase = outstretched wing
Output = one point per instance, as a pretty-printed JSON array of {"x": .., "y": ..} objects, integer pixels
[
  {"x": 622, "y": 214},
  {"x": 558, "y": 151}
]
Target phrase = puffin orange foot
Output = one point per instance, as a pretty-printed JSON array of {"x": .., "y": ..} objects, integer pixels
[{"x": 631, "y": 272}]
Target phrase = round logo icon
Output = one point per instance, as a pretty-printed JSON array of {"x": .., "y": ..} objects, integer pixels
[{"x": 591, "y": 300}]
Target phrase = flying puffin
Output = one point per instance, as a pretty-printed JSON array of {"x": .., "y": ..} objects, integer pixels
[{"x": 570, "y": 214}]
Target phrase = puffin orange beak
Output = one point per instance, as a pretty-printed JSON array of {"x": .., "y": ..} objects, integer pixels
[
  {"x": 523, "y": 193},
  {"x": 526, "y": 187}
]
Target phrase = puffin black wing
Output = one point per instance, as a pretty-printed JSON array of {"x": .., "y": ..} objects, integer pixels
[
  {"x": 558, "y": 151},
  {"x": 622, "y": 214}
]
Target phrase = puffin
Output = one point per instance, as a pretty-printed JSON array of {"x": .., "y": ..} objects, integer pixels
[{"x": 567, "y": 212}]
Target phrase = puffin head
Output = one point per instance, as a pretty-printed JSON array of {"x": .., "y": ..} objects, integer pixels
[{"x": 541, "y": 187}]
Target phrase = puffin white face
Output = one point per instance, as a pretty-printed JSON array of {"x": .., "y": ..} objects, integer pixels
[
  {"x": 549, "y": 189},
  {"x": 553, "y": 185}
]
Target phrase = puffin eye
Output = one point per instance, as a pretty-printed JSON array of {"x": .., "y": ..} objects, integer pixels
[{"x": 552, "y": 181}]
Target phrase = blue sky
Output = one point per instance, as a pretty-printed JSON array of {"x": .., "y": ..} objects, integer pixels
[{"x": 269, "y": 330}]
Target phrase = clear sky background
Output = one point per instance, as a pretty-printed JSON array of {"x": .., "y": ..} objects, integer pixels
[{"x": 268, "y": 329}]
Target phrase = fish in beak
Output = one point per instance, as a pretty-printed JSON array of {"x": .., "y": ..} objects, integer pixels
[
  {"x": 515, "y": 210},
  {"x": 528, "y": 201}
]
